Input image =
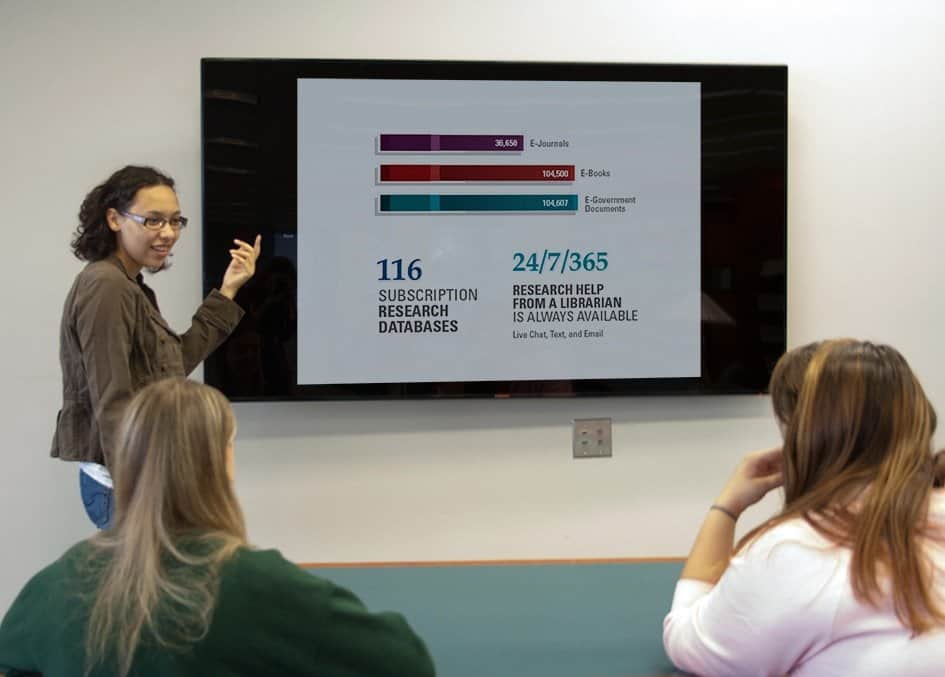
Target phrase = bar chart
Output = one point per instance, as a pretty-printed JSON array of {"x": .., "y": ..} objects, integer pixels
[{"x": 507, "y": 173}]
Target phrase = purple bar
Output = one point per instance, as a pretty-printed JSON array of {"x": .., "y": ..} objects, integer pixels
[
  {"x": 427, "y": 143},
  {"x": 406, "y": 142}
]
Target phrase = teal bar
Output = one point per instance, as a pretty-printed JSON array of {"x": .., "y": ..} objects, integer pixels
[
  {"x": 479, "y": 203},
  {"x": 408, "y": 203}
]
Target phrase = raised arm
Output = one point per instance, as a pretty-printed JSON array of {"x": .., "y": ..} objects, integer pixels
[
  {"x": 219, "y": 314},
  {"x": 760, "y": 612},
  {"x": 757, "y": 474}
]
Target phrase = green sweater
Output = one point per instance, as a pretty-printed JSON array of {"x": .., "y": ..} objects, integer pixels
[{"x": 271, "y": 618}]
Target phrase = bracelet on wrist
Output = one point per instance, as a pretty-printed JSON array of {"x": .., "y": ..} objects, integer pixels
[{"x": 724, "y": 510}]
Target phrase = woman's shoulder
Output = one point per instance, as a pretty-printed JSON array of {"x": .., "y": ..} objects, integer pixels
[
  {"x": 338, "y": 628},
  {"x": 103, "y": 281},
  {"x": 792, "y": 535},
  {"x": 73, "y": 558},
  {"x": 800, "y": 535},
  {"x": 266, "y": 568},
  {"x": 258, "y": 561},
  {"x": 51, "y": 581},
  {"x": 106, "y": 270},
  {"x": 252, "y": 574}
]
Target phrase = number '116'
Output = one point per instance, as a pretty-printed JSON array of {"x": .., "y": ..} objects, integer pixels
[{"x": 393, "y": 269}]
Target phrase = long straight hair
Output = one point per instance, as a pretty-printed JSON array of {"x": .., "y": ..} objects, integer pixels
[
  {"x": 177, "y": 521},
  {"x": 858, "y": 468}
]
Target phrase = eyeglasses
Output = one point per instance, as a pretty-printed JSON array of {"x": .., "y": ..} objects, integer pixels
[{"x": 157, "y": 222}]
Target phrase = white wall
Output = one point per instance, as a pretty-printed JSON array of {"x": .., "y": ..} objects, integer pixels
[{"x": 88, "y": 87}]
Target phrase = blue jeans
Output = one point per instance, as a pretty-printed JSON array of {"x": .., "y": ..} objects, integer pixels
[{"x": 98, "y": 500}]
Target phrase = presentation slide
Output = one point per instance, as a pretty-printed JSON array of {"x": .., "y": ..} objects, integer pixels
[{"x": 473, "y": 230}]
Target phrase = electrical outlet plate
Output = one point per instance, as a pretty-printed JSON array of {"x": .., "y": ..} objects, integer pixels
[{"x": 592, "y": 438}]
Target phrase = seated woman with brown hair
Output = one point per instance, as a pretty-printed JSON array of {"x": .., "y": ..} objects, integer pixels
[
  {"x": 173, "y": 588},
  {"x": 849, "y": 577}
]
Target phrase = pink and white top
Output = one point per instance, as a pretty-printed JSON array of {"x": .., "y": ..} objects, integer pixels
[{"x": 785, "y": 605}]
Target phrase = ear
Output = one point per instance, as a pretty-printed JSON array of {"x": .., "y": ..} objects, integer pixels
[{"x": 111, "y": 218}]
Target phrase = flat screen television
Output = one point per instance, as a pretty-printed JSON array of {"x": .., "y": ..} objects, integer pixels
[{"x": 437, "y": 229}]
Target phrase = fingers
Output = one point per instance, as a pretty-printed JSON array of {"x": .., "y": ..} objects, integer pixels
[
  {"x": 764, "y": 462},
  {"x": 772, "y": 481},
  {"x": 771, "y": 465},
  {"x": 253, "y": 250},
  {"x": 242, "y": 259},
  {"x": 767, "y": 454},
  {"x": 757, "y": 474},
  {"x": 246, "y": 249}
]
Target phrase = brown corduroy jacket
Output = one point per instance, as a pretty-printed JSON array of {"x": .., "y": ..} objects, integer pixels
[{"x": 113, "y": 342}]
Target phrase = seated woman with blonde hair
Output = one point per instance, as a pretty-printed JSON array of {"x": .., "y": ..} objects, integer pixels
[
  {"x": 173, "y": 588},
  {"x": 849, "y": 577}
]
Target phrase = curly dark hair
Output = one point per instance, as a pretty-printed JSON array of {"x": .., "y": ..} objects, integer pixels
[{"x": 93, "y": 239}]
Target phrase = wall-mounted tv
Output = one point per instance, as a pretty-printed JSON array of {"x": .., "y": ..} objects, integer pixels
[{"x": 438, "y": 229}]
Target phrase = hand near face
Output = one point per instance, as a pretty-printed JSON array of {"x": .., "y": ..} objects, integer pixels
[
  {"x": 242, "y": 266},
  {"x": 757, "y": 474}
]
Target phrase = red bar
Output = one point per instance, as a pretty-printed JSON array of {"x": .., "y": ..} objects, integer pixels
[{"x": 439, "y": 173}]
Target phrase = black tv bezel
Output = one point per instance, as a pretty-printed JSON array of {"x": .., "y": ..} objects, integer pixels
[{"x": 771, "y": 79}]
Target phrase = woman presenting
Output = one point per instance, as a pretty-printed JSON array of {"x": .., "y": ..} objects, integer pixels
[{"x": 113, "y": 339}]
